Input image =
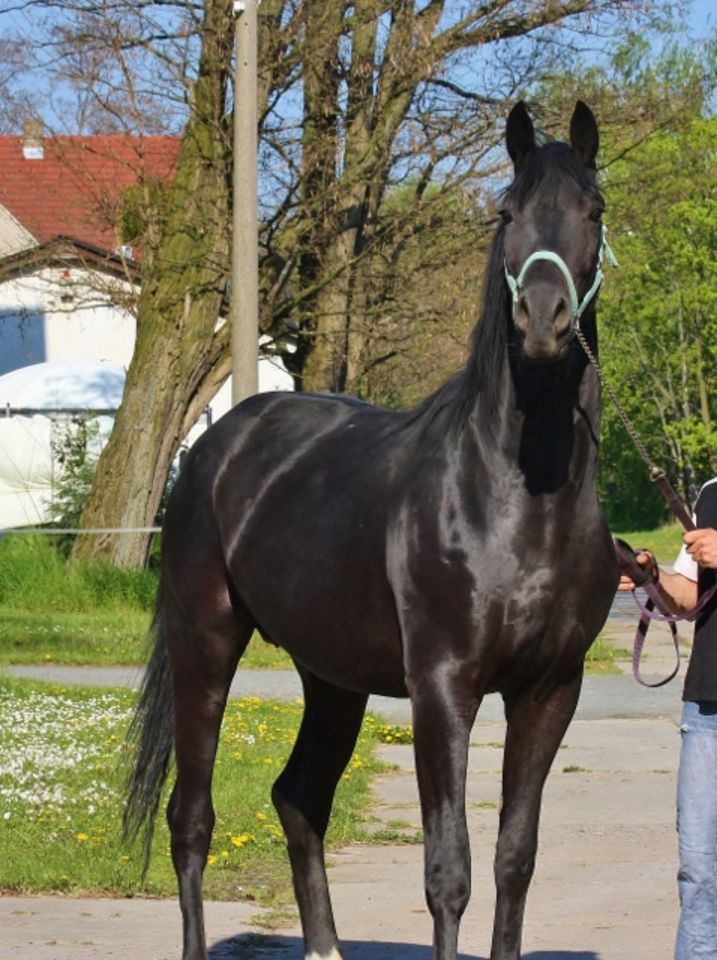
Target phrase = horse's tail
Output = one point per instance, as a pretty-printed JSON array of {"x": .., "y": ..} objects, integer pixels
[{"x": 150, "y": 738}]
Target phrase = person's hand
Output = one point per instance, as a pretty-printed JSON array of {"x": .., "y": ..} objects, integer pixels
[
  {"x": 646, "y": 560},
  {"x": 702, "y": 546}
]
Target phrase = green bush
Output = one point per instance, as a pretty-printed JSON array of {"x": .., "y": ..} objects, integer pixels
[{"x": 77, "y": 451}]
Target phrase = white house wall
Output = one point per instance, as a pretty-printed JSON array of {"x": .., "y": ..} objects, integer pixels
[{"x": 56, "y": 314}]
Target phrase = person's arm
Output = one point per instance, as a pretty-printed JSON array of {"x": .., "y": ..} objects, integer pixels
[{"x": 678, "y": 592}]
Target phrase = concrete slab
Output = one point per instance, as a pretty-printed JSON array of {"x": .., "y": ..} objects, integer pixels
[{"x": 63, "y": 928}]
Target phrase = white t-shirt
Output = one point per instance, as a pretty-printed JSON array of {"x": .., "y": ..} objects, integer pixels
[{"x": 684, "y": 563}]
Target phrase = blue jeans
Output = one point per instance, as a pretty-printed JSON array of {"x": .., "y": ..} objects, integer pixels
[{"x": 697, "y": 829}]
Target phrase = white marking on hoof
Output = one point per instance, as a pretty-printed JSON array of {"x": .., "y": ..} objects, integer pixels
[{"x": 334, "y": 955}]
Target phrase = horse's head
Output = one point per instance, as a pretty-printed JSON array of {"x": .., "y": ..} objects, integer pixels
[{"x": 553, "y": 234}]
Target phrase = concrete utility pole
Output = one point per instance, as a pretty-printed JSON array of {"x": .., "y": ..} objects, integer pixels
[{"x": 245, "y": 243}]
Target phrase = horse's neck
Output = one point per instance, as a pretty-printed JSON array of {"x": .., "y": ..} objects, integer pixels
[{"x": 545, "y": 426}]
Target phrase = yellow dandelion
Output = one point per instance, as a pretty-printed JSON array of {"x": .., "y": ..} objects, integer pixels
[
  {"x": 212, "y": 859},
  {"x": 82, "y": 837},
  {"x": 242, "y": 839}
]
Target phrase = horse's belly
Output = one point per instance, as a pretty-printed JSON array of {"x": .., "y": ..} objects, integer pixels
[
  {"x": 334, "y": 620},
  {"x": 377, "y": 675},
  {"x": 363, "y": 657}
]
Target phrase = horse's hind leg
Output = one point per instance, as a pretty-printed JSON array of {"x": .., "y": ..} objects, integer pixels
[
  {"x": 534, "y": 732},
  {"x": 303, "y": 795},
  {"x": 204, "y": 660}
]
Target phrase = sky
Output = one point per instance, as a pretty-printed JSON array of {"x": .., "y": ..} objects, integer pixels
[{"x": 703, "y": 16}]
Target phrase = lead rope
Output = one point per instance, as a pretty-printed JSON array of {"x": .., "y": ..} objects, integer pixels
[
  {"x": 626, "y": 555},
  {"x": 655, "y": 471}
]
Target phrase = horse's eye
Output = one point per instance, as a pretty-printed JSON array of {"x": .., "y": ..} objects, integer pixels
[
  {"x": 596, "y": 214},
  {"x": 505, "y": 216}
]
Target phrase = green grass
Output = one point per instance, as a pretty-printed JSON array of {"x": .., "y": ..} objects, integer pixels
[
  {"x": 92, "y": 637},
  {"x": 61, "y": 796},
  {"x": 52, "y": 611},
  {"x": 602, "y": 657},
  {"x": 98, "y": 638},
  {"x": 34, "y": 577},
  {"x": 664, "y": 542}
]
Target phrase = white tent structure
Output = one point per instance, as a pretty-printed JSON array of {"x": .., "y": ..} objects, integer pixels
[
  {"x": 37, "y": 405},
  {"x": 38, "y": 402},
  {"x": 26, "y": 470},
  {"x": 64, "y": 385}
]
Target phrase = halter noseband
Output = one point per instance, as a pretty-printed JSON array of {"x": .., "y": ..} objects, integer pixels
[{"x": 577, "y": 307}]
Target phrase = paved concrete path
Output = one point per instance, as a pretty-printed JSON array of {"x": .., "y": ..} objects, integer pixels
[
  {"x": 602, "y": 697},
  {"x": 603, "y": 890}
]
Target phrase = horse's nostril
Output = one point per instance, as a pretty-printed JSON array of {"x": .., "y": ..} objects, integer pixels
[
  {"x": 522, "y": 314},
  {"x": 562, "y": 315}
]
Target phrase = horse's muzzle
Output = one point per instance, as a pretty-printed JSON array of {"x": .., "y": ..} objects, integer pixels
[{"x": 544, "y": 318}]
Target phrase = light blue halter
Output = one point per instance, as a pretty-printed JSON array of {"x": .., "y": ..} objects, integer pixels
[{"x": 577, "y": 307}]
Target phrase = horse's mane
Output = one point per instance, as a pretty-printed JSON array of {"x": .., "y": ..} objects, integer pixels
[{"x": 489, "y": 339}]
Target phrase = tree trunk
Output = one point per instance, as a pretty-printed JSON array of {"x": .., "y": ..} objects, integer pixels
[
  {"x": 177, "y": 346},
  {"x": 354, "y": 167}
]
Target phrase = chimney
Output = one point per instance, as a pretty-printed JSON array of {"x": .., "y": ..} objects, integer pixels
[{"x": 32, "y": 148}]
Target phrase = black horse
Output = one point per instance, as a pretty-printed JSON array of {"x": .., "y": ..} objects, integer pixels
[{"x": 438, "y": 554}]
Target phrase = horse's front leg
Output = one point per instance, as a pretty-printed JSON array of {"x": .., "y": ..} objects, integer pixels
[
  {"x": 534, "y": 732},
  {"x": 444, "y": 707}
]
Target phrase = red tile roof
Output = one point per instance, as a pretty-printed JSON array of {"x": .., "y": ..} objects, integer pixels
[{"x": 75, "y": 189}]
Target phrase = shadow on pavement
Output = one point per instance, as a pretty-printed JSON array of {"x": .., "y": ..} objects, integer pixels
[{"x": 253, "y": 946}]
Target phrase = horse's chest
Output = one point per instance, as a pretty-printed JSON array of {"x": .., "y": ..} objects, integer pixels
[
  {"x": 527, "y": 606},
  {"x": 535, "y": 595}
]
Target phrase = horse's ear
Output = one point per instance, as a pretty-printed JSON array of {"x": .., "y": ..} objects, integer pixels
[
  {"x": 584, "y": 136},
  {"x": 519, "y": 134}
]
